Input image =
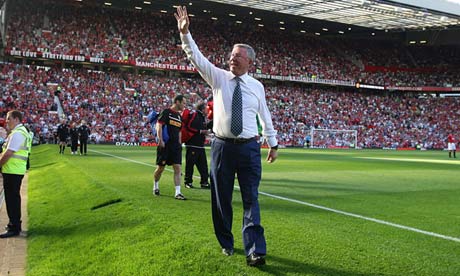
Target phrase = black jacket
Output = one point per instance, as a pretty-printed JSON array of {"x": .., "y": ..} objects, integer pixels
[
  {"x": 198, "y": 123},
  {"x": 74, "y": 134},
  {"x": 84, "y": 132}
]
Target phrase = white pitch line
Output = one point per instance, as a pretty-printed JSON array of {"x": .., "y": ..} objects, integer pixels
[
  {"x": 450, "y": 162},
  {"x": 363, "y": 217},
  {"x": 133, "y": 161},
  {"x": 322, "y": 207}
]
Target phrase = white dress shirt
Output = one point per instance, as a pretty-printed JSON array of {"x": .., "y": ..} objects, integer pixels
[
  {"x": 223, "y": 84},
  {"x": 15, "y": 140}
]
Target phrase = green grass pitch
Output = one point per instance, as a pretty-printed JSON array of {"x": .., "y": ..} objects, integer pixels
[{"x": 96, "y": 215}]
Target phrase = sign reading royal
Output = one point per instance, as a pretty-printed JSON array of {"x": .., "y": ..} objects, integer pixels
[
  {"x": 127, "y": 144},
  {"x": 136, "y": 144}
]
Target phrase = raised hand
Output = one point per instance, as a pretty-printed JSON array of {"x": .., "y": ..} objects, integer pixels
[{"x": 182, "y": 19}]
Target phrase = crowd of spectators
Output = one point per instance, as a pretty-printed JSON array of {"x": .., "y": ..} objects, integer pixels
[
  {"x": 131, "y": 36},
  {"x": 115, "y": 105},
  {"x": 63, "y": 30},
  {"x": 381, "y": 120}
]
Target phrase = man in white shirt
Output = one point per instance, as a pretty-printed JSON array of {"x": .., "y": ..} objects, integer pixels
[{"x": 238, "y": 99}]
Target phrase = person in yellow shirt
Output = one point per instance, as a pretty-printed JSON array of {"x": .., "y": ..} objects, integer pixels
[{"x": 13, "y": 162}]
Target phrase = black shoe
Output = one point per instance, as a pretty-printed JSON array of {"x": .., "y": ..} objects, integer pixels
[
  {"x": 255, "y": 259},
  {"x": 227, "y": 251},
  {"x": 189, "y": 186},
  {"x": 9, "y": 234},
  {"x": 11, "y": 227},
  {"x": 180, "y": 197},
  {"x": 156, "y": 192},
  {"x": 205, "y": 186}
]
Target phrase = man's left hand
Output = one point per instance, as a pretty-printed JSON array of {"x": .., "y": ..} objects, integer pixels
[{"x": 272, "y": 155}]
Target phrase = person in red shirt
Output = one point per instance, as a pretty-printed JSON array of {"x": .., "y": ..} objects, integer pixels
[{"x": 451, "y": 147}]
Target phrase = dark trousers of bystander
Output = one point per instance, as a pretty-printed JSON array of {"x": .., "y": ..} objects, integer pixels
[
  {"x": 196, "y": 156},
  {"x": 12, "y": 189},
  {"x": 74, "y": 145},
  {"x": 83, "y": 145}
]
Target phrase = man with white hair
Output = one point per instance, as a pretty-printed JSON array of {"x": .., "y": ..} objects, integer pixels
[
  {"x": 238, "y": 99},
  {"x": 83, "y": 132}
]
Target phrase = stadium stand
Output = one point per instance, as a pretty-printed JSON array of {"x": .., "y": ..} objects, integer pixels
[
  {"x": 117, "y": 114},
  {"x": 121, "y": 36},
  {"x": 114, "y": 102}
]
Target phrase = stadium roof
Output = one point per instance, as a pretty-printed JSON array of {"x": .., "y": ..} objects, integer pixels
[
  {"x": 374, "y": 14},
  {"x": 357, "y": 18}
]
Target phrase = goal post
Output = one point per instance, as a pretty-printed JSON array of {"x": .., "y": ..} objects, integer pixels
[{"x": 333, "y": 138}]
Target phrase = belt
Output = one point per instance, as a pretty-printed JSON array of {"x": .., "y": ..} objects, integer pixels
[{"x": 237, "y": 141}]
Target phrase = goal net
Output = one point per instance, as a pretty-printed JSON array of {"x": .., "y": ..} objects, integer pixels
[{"x": 333, "y": 138}]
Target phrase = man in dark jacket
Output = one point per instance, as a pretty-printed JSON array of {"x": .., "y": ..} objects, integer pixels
[
  {"x": 83, "y": 133},
  {"x": 63, "y": 133},
  {"x": 196, "y": 154},
  {"x": 74, "y": 133}
]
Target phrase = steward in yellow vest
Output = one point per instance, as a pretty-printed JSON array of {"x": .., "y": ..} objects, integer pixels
[{"x": 13, "y": 162}]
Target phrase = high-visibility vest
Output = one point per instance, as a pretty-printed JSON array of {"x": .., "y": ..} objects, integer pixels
[{"x": 18, "y": 161}]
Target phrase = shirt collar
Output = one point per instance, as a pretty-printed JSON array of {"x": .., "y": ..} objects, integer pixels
[
  {"x": 174, "y": 111},
  {"x": 243, "y": 78}
]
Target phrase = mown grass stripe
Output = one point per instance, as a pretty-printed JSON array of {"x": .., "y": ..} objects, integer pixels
[
  {"x": 319, "y": 207},
  {"x": 363, "y": 217}
]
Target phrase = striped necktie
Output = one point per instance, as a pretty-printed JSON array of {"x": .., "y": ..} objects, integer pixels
[{"x": 237, "y": 109}]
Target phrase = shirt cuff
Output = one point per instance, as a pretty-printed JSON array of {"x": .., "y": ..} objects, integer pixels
[
  {"x": 272, "y": 141},
  {"x": 186, "y": 38}
]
